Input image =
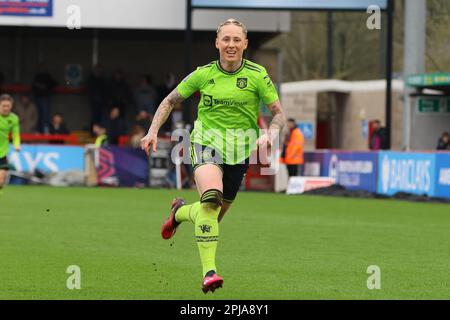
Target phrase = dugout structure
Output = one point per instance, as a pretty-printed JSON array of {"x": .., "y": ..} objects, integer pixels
[{"x": 430, "y": 102}]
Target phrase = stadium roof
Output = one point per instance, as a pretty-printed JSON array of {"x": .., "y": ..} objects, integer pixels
[
  {"x": 339, "y": 86},
  {"x": 436, "y": 81}
]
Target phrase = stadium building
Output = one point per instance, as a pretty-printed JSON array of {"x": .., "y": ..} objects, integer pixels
[{"x": 138, "y": 37}]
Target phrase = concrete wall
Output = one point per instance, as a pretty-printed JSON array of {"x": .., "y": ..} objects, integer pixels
[
  {"x": 369, "y": 106},
  {"x": 349, "y": 103},
  {"x": 302, "y": 107}
]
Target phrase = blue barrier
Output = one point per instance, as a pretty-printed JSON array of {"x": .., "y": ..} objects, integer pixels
[
  {"x": 47, "y": 158},
  {"x": 442, "y": 188},
  {"x": 385, "y": 172},
  {"x": 406, "y": 172},
  {"x": 353, "y": 170},
  {"x": 124, "y": 166}
]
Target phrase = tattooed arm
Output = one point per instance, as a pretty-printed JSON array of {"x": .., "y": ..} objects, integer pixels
[
  {"x": 278, "y": 119},
  {"x": 164, "y": 109},
  {"x": 161, "y": 115},
  {"x": 275, "y": 126}
]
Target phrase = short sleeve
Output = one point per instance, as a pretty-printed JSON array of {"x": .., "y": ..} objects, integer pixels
[
  {"x": 16, "y": 133},
  {"x": 190, "y": 84},
  {"x": 266, "y": 88}
]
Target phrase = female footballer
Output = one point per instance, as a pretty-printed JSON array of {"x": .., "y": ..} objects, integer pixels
[
  {"x": 231, "y": 90},
  {"x": 9, "y": 123}
]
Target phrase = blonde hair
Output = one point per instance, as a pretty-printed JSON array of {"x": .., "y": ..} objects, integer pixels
[
  {"x": 6, "y": 97},
  {"x": 234, "y": 22}
]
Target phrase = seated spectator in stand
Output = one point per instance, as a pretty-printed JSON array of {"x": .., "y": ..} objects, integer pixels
[
  {"x": 135, "y": 136},
  {"x": 101, "y": 139},
  {"x": 57, "y": 126},
  {"x": 378, "y": 141},
  {"x": 169, "y": 84},
  {"x": 444, "y": 142},
  {"x": 143, "y": 119},
  {"x": 28, "y": 115},
  {"x": 97, "y": 90},
  {"x": 42, "y": 87},
  {"x": 145, "y": 96},
  {"x": 115, "y": 126},
  {"x": 120, "y": 94}
]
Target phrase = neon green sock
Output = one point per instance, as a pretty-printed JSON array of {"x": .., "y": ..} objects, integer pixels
[
  {"x": 205, "y": 219},
  {"x": 187, "y": 212},
  {"x": 207, "y": 235}
]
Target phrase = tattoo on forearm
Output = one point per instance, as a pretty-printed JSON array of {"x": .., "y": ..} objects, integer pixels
[
  {"x": 278, "y": 119},
  {"x": 164, "y": 109}
]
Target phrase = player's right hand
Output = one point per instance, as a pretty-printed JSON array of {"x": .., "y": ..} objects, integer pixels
[{"x": 151, "y": 139}]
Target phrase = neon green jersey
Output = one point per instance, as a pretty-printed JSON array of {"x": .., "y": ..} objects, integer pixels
[
  {"x": 8, "y": 124},
  {"x": 229, "y": 107}
]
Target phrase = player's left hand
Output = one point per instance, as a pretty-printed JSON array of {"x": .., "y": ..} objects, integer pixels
[
  {"x": 264, "y": 141},
  {"x": 17, "y": 149},
  {"x": 150, "y": 140}
]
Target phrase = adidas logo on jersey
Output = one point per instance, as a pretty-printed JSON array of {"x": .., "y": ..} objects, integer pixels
[{"x": 211, "y": 81}]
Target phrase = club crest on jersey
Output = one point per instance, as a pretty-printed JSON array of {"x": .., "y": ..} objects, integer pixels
[
  {"x": 241, "y": 83},
  {"x": 207, "y": 100}
]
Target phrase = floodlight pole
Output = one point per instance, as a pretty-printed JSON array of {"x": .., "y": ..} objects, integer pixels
[
  {"x": 389, "y": 50},
  {"x": 329, "y": 44},
  {"x": 188, "y": 38}
]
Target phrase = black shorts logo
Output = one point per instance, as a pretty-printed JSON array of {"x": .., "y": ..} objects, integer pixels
[
  {"x": 207, "y": 154},
  {"x": 207, "y": 100},
  {"x": 205, "y": 228},
  {"x": 241, "y": 83}
]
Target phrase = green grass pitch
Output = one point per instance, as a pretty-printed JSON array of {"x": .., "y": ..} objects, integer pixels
[{"x": 272, "y": 246}]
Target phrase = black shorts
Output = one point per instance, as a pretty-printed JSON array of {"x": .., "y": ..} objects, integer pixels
[
  {"x": 4, "y": 163},
  {"x": 232, "y": 174}
]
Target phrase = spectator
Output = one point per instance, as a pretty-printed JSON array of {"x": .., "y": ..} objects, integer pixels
[
  {"x": 292, "y": 154},
  {"x": 115, "y": 126},
  {"x": 145, "y": 96},
  {"x": 120, "y": 92},
  {"x": 96, "y": 84},
  {"x": 57, "y": 126},
  {"x": 163, "y": 91},
  {"x": 444, "y": 142},
  {"x": 143, "y": 119},
  {"x": 135, "y": 136},
  {"x": 378, "y": 140},
  {"x": 101, "y": 138},
  {"x": 42, "y": 86},
  {"x": 27, "y": 112}
]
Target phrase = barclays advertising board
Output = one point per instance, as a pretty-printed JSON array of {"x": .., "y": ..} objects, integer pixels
[
  {"x": 442, "y": 175},
  {"x": 353, "y": 170},
  {"x": 47, "y": 158},
  {"x": 406, "y": 172}
]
